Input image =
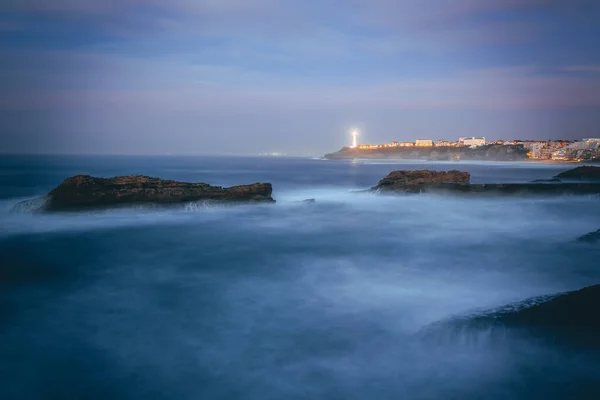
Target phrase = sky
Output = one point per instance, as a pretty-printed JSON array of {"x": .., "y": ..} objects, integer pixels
[{"x": 292, "y": 76}]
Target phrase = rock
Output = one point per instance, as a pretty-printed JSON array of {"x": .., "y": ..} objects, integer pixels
[
  {"x": 574, "y": 313},
  {"x": 569, "y": 318},
  {"x": 308, "y": 201},
  {"x": 553, "y": 180},
  {"x": 456, "y": 182},
  {"x": 592, "y": 237},
  {"x": 85, "y": 192},
  {"x": 583, "y": 172},
  {"x": 411, "y": 181}
]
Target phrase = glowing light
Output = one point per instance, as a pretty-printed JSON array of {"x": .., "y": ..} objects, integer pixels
[{"x": 354, "y": 139}]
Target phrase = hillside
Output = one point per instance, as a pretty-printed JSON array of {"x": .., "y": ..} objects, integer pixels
[{"x": 490, "y": 152}]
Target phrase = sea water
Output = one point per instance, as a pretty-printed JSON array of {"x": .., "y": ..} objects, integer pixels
[{"x": 291, "y": 300}]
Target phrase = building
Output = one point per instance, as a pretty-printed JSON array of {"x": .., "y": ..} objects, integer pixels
[
  {"x": 407, "y": 144},
  {"x": 535, "y": 149},
  {"x": 585, "y": 149},
  {"x": 443, "y": 143},
  {"x": 560, "y": 155},
  {"x": 424, "y": 143},
  {"x": 585, "y": 144},
  {"x": 394, "y": 144},
  {"x": 472, "y": 141}
]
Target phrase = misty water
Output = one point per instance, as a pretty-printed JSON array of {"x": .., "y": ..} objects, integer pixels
[{"x": 323, "y": 300}]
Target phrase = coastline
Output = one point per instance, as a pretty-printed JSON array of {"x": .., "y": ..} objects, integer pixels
[{"x": 491, "y": 153}]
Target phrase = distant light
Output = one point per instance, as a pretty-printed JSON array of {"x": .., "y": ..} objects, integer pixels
[{"x": 354, "y": 140}]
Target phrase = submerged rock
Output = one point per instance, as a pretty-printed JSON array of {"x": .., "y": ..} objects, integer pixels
[
  {"x": 583, "y": 172},
  {"x": 456, "y": 182},
  {"x": 592, "y": 237},
  {"x": 84, "y": 192}
]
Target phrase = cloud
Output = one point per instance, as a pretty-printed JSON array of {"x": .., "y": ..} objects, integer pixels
[
  {"x": 268, "y": 16},
  {"x": 582, "y": 68},
  {"x": 71, "y": 80},
  {"x": 271, "y": 58}
]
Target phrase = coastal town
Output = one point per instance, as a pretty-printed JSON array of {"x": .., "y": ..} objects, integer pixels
[{"x": 551, "y": 150}]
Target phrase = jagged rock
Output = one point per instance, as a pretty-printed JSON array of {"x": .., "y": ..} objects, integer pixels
[
  {"x": 583, "y": 172},
  {"x": 456, "y": 182},
  {"x": 84, "y": 192},
  {"x": 592, "y": 237}
]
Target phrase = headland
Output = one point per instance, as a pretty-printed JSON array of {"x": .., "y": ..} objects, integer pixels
[{"x": 474, "y": 148}]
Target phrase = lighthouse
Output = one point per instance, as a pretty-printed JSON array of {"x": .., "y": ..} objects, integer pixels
[{"x": 354, "y": 139}]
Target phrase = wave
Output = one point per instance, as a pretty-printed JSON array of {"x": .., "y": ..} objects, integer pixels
[{"x": 427, "y": 216}]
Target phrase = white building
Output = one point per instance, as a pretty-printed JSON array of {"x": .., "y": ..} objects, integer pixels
[
  {"x": 424, "y": 143},
  {"x": 585, "y": 144},
  {"x": 471, "y": 141},
  {"x": 535, "y": 149}
]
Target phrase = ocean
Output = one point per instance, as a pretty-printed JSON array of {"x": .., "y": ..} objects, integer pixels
[{"x": 293, "y": 300}]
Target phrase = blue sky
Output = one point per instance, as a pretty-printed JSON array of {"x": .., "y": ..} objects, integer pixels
[{"x": 243, "y": 77}]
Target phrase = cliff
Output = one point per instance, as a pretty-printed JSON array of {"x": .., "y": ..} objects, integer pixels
[
  {"x": 490, "y": 152},
  {"x": 84, "y": 192}
]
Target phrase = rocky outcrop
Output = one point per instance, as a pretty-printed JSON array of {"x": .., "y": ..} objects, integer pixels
[
  {"x": 592, "y": 237},
  {"x": 84, "y": 192},
  {"x": 456, "y": 182},
  {"x": 569, "y": 318},
  {"x": 583, "y": 172},
  {"x": 415, "y": 181},
  {"x": 553, "y": 180},
  {"x": 576, "y": 311}
]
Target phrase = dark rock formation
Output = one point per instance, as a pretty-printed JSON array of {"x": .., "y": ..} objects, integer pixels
[
  {"x": 570, "y": 318},
  {"x": 84, "y": 191},
  {"x": 308, "y": 201},
  {"x": 553, "y": 180},
  {"x": 592, "y": 237},
  {"x": 457, "y": 182},
  {"x": 411, "y": 181},
  {"x": 584, "y": 172},
  {"x": 573, "y": 311}
]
